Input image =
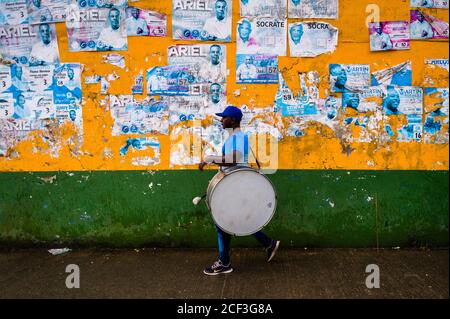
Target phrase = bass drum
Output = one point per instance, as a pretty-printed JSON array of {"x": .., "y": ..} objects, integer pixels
[{"x": 241, "y": 200}]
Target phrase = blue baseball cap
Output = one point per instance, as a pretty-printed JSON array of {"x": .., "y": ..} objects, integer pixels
[{"x": 231, "y": 111}]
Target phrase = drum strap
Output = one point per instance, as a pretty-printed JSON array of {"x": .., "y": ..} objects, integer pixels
[{"x": 251, "y": 150}]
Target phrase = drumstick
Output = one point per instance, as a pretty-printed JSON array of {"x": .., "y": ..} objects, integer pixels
[{"x": 197, "y": 199}]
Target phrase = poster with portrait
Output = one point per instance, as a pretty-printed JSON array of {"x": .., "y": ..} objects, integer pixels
[
  {"x": 366, "y": 100},
  {"x": 435, "y": 4},
  {"x": 389, "y": 35},
  {"x": 310, "y": 39},
  {"x": 206, "y": 62},
  {"x": 261, "y": 36},
  {"x": 148, "y": 23},
  {"x": 325, "y": 9},
  {"x": 349, "y": 77},
  {"x": 205, "y": 20},
  {"x": 260, "y": 8},
  {"x": 402, "y": 100},
  {"x": 66, "y": 84},
  {"x": 47, "y": 11},
  {"x": 29, "y": 44},
  {"x": 400, "y": 75},
  {"x": 171, "y": 80},
  {"x": 13, "y": 12},
  {"x": 96, "y": 29},
  {"x": 426, "y": 27},
  {"x": 256, "y": 69}
]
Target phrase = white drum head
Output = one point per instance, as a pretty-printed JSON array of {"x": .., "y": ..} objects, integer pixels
[{"x": 243, "y": 202}]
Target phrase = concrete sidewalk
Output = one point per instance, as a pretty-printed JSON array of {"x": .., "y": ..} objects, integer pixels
[{"x": 177, "y": 273}]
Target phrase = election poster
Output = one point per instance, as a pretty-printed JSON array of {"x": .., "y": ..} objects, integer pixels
[
  {"x": 436, "y": 101},
  {"x": 142, "y": 22},
  {"x": 96, "y": 29},
  {"x": 13, "y": 12},
  {"x": 138, "y": 117},
  {"x": 434, "y": 4},
  {"x": 206, "y": 62},
  {"x": 6, "y": 105},
  {"x": 261, "y": 36},
  {"x": 303, "y": 104},
  {"x": 436, "y": 129},
  {"x": 171, "y": 80},
  {"x": 143, "y": 145},
  {"x": 40, "y": 78},
  {"x": 29, "y": 44},
  {"x": 366, "y": 100},
  {"x": 66, "y": 84},
  {"x": 101, "y": 3},
  {"x": 325, "y": 9},
  {"x": 402, "y": 100},
  {"x": 310, "y": 39},
  {"x": 400, "y": 75},
  {"x": 389, "y": 35},
  {"x": 205, "y": 20},
  {"x": 5, "y": 78},
  {"x": 349, "y": 77},
  {"x": 435, "y": 73},
  {"x": 256, "y": 69},
  {"x": 47, "y": 11},
  {"x": 426, "y": 27},
  {"x": 260, "y": 8},
  {"x": 412, "y": 131}
]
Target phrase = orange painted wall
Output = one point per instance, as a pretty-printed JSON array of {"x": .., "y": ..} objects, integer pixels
[{"x": 319, "y": 149}]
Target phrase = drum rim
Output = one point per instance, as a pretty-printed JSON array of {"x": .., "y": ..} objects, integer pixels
[{"x": 223, "y": 174}]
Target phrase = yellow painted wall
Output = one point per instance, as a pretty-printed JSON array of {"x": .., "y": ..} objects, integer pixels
[{"x": 319, "y": 149}]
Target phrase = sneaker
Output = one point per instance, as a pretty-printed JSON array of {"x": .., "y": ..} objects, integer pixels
[
  {"x": 218, "y": 268},
  {"x": 272, "y": 250}
]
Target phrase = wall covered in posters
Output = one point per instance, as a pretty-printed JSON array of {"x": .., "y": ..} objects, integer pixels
[{"x": 120, "y": 85}]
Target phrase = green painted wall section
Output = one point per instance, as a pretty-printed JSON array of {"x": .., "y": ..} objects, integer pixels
[{"x": 323, "y": 208}]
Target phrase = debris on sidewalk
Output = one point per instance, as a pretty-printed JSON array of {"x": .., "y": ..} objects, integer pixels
[{"x": 59, "y": 251}]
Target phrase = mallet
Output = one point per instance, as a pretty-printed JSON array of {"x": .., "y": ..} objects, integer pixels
[{"x": 197, "y": 199}]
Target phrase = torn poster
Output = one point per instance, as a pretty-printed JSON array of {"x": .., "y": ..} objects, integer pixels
[
  {"x": 138, "y": 117},
  {"x": 186, "y": 146},
  {"x": 13, "y": 12},
  {"x": 326, "y": 9},
  {"x": 435, "y": 129},
  {"x": 96, "y": 29},
  {"x": 142, "y": 22},
  {"x": 138, "y": 85},
  {"x": 349, "y": 77},
  {"x": 403, "y": 100},
  {"x": 6, "y": 78},
  {"x": 89, "y": 4},
  {"x": 212, "y": 139},
  {"x": 260, "y": 8},
  {"x": 140, "y": 144},
  {"x": 256, "y": 69},
  {"x": 435, "y": 73},
  {"x": 367, "y": 100},
  {"x": 310, "y": 39},
  {"x": 206, "y": 20},
  {"x": 261, "y": 36},
  {"x": 389, "y": 35},
  {"x": 66, "y": 84},
  {"x": 170, "y": 80},
  {"x": 6, "y": 105},
  {"x": 412, "y": 131},
  {"x": 114, "y": 59},
  {"x": 304, "y": 104},
  {"x": 436, "y": 4},
  {"x": 29, "y": 44},
  {"x": 13, "y": 131},
  {"x": 436, "y": 101},
  {"x": 42, "y": 11},
  {"x": 400, "y": 75},
  {"x": 425, "y": 26},
  {"x": 206, "y": 62}
]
